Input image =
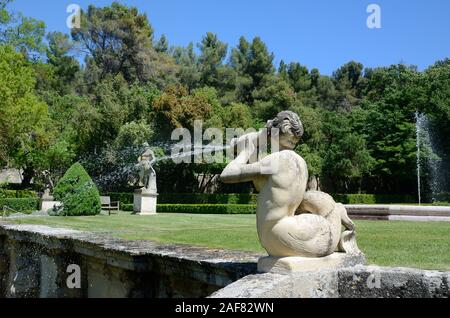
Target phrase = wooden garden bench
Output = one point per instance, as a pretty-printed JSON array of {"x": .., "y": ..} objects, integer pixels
[{"x": 111, "y": 207}]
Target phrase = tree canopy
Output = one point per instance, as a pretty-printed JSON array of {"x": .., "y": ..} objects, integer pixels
[{"x": 131, "y": 88}]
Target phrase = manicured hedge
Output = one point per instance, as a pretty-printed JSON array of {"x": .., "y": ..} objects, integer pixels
[
  {"x": 126, "y": 207},
  {"x": 78, "y": 193},
  {"x": 191, "y": 198},
  {"x": 373, "y": 198},
  {"x": 443, "y": 197},
  {"x": 207, "y": 208},
  {"x": 9, "y": 194},
  {"x": 123, "y": 198},
  {"x": 23, "y": 205},
  {"x": 200, "y": 208},
  {"x": 196, "y": 198}
]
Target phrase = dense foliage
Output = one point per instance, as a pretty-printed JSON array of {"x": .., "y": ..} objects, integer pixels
[
  {"x": 21, "y": 205},
  {"x": 78, "y": 193},
  {"x": 207, "y": 208},
  {"x": 360, "y": 122}
]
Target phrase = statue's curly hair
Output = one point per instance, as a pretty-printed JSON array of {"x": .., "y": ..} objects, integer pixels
[{"x": 287, "y": 122}]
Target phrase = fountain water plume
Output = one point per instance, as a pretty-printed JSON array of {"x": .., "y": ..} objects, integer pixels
[
  {"x": 426, "y": 154},
  {"x": 118, "y": 167}
]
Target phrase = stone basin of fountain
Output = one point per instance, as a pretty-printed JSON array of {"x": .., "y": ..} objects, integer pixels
[{"x": 399, "y": 212}]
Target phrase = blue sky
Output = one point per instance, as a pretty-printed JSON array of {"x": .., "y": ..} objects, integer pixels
[{"x": 318, "y": 33}]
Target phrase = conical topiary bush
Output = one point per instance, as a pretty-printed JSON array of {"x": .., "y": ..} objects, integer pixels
[{"x": 78, "y": 193}]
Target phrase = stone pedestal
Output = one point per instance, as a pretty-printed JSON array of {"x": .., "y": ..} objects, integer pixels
[
  {"x": 48, "y": 202},
  {"x": 145, "y": 202},
  {"x": 49, "y": 205},
  {"x": 305, "y": 264}
]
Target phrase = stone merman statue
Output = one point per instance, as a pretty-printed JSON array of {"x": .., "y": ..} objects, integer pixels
[
  {"x": 147, "y": 175},
  {"x": 290, "y": 220}
]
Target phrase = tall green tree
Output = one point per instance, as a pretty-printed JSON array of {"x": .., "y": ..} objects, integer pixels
[
  {"x": 213, "y": 53},
  {"x": 23, "y": 117},
  {"x": 119, "y": 41},
  {"x": 254, "y": 67},
  {"x": 347, "y": 160},
  {"x": 188, "y": 72},
  {"x": 25, "y": 34},
  {"x": 65, "y": 66},
  {"x": 162, "y": 46},
  {"x": 393, "y": 95}
]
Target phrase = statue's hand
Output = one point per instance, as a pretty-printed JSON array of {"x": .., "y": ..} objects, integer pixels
[
  {"x": 246, "y": 144},
  {"x": 248, "y": 149}
]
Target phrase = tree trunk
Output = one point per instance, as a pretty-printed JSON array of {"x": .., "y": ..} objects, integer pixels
[{"x": 27, "y": 176}]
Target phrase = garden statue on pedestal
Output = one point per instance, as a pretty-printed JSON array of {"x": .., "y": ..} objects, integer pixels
[
  {"x": 301, "y": 230},
  {"x": 145, "y": 198},
  {"x": 48, "y": 201}
]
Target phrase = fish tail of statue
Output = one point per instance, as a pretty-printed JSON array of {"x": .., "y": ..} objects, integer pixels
[{"x": 347, "y": 243}]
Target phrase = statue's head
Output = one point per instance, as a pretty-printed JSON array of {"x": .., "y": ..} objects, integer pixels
[{"x": 290, "y": 129}]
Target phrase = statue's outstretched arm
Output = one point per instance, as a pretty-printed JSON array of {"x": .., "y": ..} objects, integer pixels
[{"x": 237, "y": 173}]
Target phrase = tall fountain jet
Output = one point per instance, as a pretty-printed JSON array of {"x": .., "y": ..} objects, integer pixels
[
  {"x": 418, "y": 119},
  {"x": 427, "y": 158}
]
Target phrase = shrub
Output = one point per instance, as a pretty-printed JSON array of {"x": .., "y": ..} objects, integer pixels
[
  {"x": 191, "y": 198},
  {"x": 17, "y": 194},
  {"x": 126, "y": 207},
  {"x": 443, "y": 197},
  {"x": 23, "y": 205},
  {"x": 207, "y": 208},
  {"x": 78, "y": 193},
  {"x": 199, "y": 208},
  {"x": 240, "y": 199},
  {"x": 123, "y": 198},
  {"x": 200, "y": 198},
  {"x": 373, "y": 198},
  {"x": 26, "y": 194}
]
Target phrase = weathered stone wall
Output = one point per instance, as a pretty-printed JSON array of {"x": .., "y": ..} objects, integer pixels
[
  {"x": 353, "y": 282},
  {"x": 4, "y": 265},
  {"x": 383, "y": 282},
  {"x": 34, "y": 262}
]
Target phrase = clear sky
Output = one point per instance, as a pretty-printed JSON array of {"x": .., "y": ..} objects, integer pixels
[{"x": 318, "y": 33}]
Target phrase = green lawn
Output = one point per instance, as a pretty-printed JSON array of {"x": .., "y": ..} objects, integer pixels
[{"x": 409, "y": 244}]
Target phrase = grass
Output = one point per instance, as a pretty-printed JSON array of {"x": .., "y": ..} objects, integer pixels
[{"x": 423, "y": 245}]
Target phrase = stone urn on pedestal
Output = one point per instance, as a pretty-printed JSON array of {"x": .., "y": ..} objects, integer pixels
[{"x": 145, "y": 198}]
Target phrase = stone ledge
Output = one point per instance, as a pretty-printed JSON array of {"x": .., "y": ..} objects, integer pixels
[
  {"x": 210, "y": 266},
  {"x": 352, "y": 282},
  {"x": 319, "y": 284},
  {"x": 305, "y": 264},
  {"x": 386, "y": 282}
]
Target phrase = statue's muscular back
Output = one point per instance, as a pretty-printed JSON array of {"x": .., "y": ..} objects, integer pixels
[{"x": 281, "y": 192}]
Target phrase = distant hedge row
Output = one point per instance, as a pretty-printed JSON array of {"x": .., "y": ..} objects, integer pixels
[
  {"x": 193, "y": 198},
  {"x": 373, "y": 198},
  {"x": 207, "y": 208},
  {"x": 22, "y": 205},
  {"x": 200, "y": 208},
  {"x": 126, "y": 207},
  {"x": 10, "y": 194}
]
